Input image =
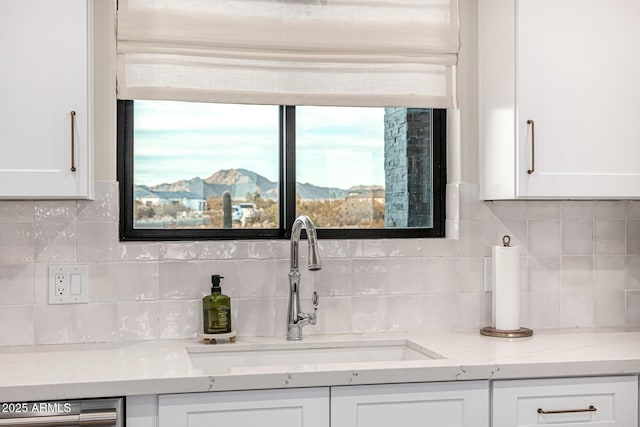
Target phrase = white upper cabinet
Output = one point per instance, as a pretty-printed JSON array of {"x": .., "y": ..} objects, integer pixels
[
  {"x": 45, "y": 76},
  {"x": 559, "y": 95}
]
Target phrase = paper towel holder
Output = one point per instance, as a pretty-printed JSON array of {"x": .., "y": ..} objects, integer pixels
[{"x": 491, "y": 331}]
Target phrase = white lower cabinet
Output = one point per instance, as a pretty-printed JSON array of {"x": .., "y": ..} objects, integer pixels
[
  {"x": 460, "y": 404},
  {"x": 575, "y": 402},
  {"x": 302, "y": 407}
]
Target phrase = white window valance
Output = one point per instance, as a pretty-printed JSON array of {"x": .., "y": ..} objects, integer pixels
[{"x": 299, "y": 52}]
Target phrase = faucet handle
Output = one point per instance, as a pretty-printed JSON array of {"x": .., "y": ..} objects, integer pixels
[{"x": 314, "y": 300}]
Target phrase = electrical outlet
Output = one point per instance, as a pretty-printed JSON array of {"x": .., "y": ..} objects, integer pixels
[
  {"x": 61, "y": 284},
  {"x": 68, "y": 284}
]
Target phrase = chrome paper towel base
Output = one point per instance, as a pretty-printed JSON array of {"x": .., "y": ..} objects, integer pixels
[{"x": 490, "y": 331}]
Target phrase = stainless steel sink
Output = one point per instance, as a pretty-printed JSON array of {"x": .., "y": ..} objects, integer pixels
[{"x": 241, "y": 355}]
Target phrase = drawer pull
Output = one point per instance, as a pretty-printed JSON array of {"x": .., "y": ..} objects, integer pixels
[{"x": 591, "y": 408}]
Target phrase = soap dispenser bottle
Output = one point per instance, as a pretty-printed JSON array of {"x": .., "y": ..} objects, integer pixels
[{"x": 216, "y": 309}]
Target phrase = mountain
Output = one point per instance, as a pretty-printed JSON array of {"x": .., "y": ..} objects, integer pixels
[{"x": 239, "y": 182}]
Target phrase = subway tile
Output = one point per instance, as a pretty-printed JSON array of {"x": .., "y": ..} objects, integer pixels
[
  {"x": 55, "y": 211},
  {"x": 17, "y": 212},
  {"x": 104, "y": 208},
  {"x": 543, "y": 310},
  {"x": 368, "y": 314},
  {"x": 103, "y": 279},
  {"x": 334, "y": 316},
  {"x": 439, "y": 312},
  {"x": 544, "y": 274},
  {"x": 610, "y": 210},
  {"x": 470, "y": 275},
  {"x": 582, "y": 209},
  {"x": 55, "y": 324},
  {"x": 97, "y": 322},
  {"x": 257, "y": 278},
  {"x": 403, "y": 247},
  {"x": 633, "y": 237},
  {"x": 138, "y": 251},
  {"x": 17, "y": 243},
  {"x": 404, "y": 313},
  {"x": 138, "y": 281},
  {"x": 510, "y": 210},
  {"x": 439, "y": 247},
  {"x": 577, "y": 273},
  {"x": 333, "y": 280},
  {"x": 474, "y": 310},
  {"x": 632, "y": 209},
  {"x": 255, "y": 316},
  {"x": 633, "y": 272},
  {"x": 405, "y": 275},
  {"x": 215, "y": 250},
  {"x": 97, "y": 241},
  {"x": 632, "y": 303},
  {"x": 138, "y": 320},
  {"x": 544, "y": 238},
  {"x": 327, "y": 248},
  {"x": 610, "y": 309},
  {"x": 440, "y": 275},
  {"x": 177, "y": 251},
  {"x": 609, "y": 272},
  {"x": 577, "y": 309},
  {"x": 475, "y": 237},
  {"x": 471, "y": 207},
  {"x": 610, "y": 237},
  {"x": 17, "y": 284},
  {"x": 373, "y": 248},
  {"x": 369, "y": 277},
  {"x": 180, "y": 319},
  {"x": 179, "y": 280},
  {"x": 17, "y": 325},
  {"x": 577, "y": 236},
  {"x": 55, "y": 242},
  {"x": 543, "y": 210}
]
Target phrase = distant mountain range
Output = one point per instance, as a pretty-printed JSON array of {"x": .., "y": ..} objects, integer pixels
[{"x": 239, "y": 182}]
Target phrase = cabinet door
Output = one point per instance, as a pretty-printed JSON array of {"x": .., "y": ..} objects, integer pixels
[
  {"x": 460, "y": 404},
  {"x": 575, "y": 402},
  {"x": 305, "y": 407},
  {"x": 577, "y": 72},
  {"x": 44, "y": 47}
]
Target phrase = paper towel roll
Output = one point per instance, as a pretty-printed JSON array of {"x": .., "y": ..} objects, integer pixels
[{"x": 506, "y": 288}]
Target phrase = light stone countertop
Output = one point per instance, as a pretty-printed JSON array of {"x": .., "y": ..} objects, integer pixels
[{"x": 157, "y": 367}]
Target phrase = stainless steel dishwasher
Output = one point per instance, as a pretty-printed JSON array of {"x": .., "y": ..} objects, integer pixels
[{"x": 63, "y": 413}]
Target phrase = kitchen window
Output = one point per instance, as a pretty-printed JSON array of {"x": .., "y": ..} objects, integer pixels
[
  {"x": 230, "y": 171},
  {"x": 234, "y": 116}
]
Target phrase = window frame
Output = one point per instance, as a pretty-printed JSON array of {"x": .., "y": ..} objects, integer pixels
[{"x": 287, "y": 187}]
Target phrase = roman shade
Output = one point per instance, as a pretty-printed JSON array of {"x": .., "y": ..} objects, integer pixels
[{"x": 376, "y": 53}]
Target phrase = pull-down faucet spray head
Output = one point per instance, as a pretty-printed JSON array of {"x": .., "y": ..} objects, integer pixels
[{"x": 313, "y": 261}]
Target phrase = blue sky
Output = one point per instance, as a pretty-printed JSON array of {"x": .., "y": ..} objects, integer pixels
[{"x": 337, "y": 147}]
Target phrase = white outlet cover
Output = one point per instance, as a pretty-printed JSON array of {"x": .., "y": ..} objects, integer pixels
[{"x": 63, "y": 273}]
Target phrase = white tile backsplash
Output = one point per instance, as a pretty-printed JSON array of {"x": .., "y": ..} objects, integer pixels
[{"x": 580, "y": 263}]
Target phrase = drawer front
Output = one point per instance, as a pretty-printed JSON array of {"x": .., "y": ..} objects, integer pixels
[{"x": 596, "y": 401}]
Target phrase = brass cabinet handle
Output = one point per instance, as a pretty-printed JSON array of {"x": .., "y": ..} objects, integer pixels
[
  {"x": 533, "y": 150},
  {"x": 73, "y": 141},
  {"x": 591, "y": 408}
]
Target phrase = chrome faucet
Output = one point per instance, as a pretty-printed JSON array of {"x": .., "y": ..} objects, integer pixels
[{"x": 297, "y": 319}]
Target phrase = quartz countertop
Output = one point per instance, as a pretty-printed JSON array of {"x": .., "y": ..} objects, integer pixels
[{"x": 50, "y": 372}]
